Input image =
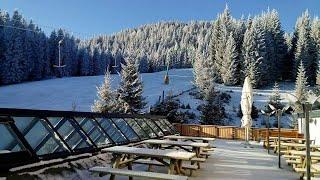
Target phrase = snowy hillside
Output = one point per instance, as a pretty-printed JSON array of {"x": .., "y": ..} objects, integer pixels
[{"x": 60, "y": 94}]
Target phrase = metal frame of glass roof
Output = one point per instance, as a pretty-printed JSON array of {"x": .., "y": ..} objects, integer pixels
[{"x": 28, "y": 136}]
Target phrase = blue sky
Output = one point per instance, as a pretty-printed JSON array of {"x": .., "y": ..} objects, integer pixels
[{"x": 91, "y": 17}]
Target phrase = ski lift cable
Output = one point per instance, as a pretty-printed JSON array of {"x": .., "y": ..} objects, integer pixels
[
  {"x": 52, "y": 27},
  {"x": 84, "y": 35}
]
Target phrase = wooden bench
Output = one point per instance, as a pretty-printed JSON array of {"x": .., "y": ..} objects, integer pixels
[
  {"x": 208, "y": 149},
  {"x": 316, "y": 167},
  {"x": 288, "y": 156},
  {"x": 205, "y": 154},
  {"x": 138, "y": 174},
  {"x": 189, "y": 167},
  {"x": 303, "y": 171}
]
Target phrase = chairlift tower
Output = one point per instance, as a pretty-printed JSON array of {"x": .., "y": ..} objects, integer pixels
[
  {"x": 59, "y": 66},
  {"x": 166, "y": 77}
]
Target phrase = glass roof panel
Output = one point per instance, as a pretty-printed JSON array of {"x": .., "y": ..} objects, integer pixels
[
  {"x": 146, "y": 128},
  {"x": 8, "y": 138},
  {"x": 113, "y": 132},
  {"x": 155, "y": 128},
  {"x": 126, "y": 129},
  {"x": 136, "y": 127}
]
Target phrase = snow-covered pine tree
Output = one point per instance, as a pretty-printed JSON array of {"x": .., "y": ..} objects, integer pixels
[
  {"x": 212, "y": 112},
  {"x": 14, "y": 68},
  {"x": 201, "y": 71},
  {"x": 305, "y": 50},
  {"x": 130, "y": 99},
  {"x": 301, "y": 91},
  {"x": 318, "y": 77},
  {"x": 106, "y": 102},
  {"x": 279, "y": 44},
  {"x": 229, "y": 68},
  {"x": 315, "y": 34},
  {"x": 275, "y": 98},
  {"x": 287, "y": 62},
  {"x": 254, "y": 52},
  {"x": 4, "y": 17},
  {"x": 222, "y": 28}
]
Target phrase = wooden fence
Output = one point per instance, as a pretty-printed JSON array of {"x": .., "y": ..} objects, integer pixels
[{"x": 232, "y": 132}]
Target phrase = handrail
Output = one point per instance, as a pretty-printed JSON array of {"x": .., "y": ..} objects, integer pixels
[{"x": 55, "y": 113}]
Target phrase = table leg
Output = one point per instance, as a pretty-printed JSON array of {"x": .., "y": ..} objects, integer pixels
[
  {"x": 115, "y": 164},
  {"x": 171, "y": 166},
  {"x": 180, "y": 170},
  {"x": 197, "y": 151},
  {"x": 130, "y": 167}
]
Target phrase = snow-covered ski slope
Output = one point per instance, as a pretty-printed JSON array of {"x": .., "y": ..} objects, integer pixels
[{"x": 60, "y": 94}]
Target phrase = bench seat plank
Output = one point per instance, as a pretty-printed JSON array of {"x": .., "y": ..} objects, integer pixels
[
  {"x": 156, "y": 163},
  {"x": 124, "y": 172}
]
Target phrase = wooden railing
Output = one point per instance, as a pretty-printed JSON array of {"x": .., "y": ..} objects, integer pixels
[{"x": 232, "y": 132}]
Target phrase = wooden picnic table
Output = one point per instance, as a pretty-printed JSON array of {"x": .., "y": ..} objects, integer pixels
[
  {"x": 293, "y": 144},
  {"x": 286, "y": 138},
  {"x": 124, "y": 156},
  {"x": 190, "y": 138},
  {"x": 196, "y": 146},
  {"x": 299, "y": 147},
  {"x": 303, "y": 153},
  {"x": 302, "y": 156}
]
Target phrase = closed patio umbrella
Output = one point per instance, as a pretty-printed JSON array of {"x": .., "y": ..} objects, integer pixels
[{"x": 246, "y": 107}]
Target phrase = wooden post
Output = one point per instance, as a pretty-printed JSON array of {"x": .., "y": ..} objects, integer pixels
[
  {"x": 307, "y": 108},
  {"x": 278, "y": 113},
  {"x": 268, "y": 135}
]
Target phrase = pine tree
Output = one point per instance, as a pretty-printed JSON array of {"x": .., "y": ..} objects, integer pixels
[
  {"x": 107, "y": 98},
  {"x": 212, "y": 111},
  {"x": 130, "y": 97},
  {"x": 201, "y": 71},
  {"x": 222, "y": 29},
  {"x": 301, "y": 91},
  {"x": 288, "y": 59},
  {"x": 229, "y": 69},
  {"x": 279, "y": 44},
  {"x": 275, "y": 98},
  {"x": 15, "y": 67},
  {"x": 305, "y": 50},
  {"x": 4, "y": 17},
  {"x": 254, "y": 53}
]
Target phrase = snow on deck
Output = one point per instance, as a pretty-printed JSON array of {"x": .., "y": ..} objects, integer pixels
[{"x": 231, "y": 160}]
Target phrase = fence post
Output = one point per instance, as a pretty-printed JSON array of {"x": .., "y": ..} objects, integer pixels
[
  {"x": 218, "y": 135},
  {"x": 233, "y": 132}
]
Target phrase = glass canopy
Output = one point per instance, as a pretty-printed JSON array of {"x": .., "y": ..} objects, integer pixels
[{"x": 36, "y": 135}]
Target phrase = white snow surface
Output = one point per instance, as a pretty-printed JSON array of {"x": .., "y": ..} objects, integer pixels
[{"x": 60, "y": 94}]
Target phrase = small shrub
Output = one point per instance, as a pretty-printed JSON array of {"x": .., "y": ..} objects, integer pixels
[
  {"x": 225, "y": 97},
  {"x": 196, "y": 94},
  {"x": 188, "y": 106},
  {"x": 183, "y": 106}
]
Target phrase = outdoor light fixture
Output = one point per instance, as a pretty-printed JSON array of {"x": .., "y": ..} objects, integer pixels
[
  {"x": 305, "y": 106},
  {"x": 278, "y": 113},
  {"x": 267, "y": 115}
]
